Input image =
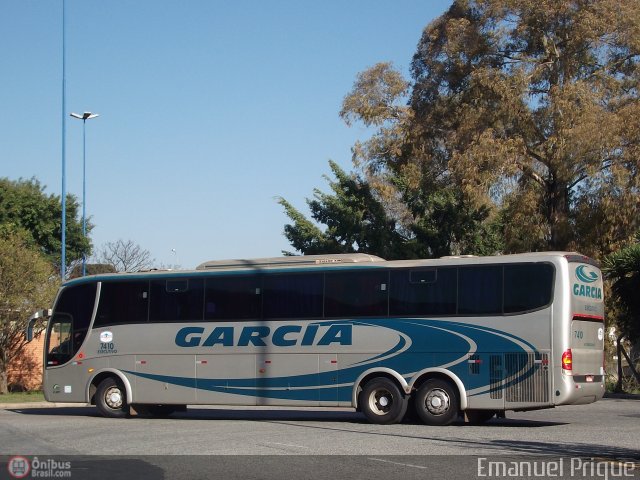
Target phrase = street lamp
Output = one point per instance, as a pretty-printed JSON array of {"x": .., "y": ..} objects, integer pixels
[
  {"x": 84, "y": 117},
  {"x": 63, "y": 239}
]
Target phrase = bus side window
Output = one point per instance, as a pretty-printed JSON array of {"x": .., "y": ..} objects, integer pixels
[
  {"x": 123, "y": 302},
  {"x": 480, "y": 290},
  {"x": 177, "y": 300},
  {"x": 423, "y": 291},
  {"x": 293, "y": 296},
  {"x": 527, "y": 287},
  {"x": 233, "y": 297},
  {"x": 356, "y": 294}
]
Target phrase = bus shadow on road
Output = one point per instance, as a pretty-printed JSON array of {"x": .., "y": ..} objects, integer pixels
[
  {"x": 333, "y": 416},
  {"x": 58, "y": 411},
  {"x": 289, "y": 414}
]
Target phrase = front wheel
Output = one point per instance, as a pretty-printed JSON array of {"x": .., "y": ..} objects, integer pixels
[
  {"x": 382, "y": 402},
  {"x": 437, "y": 402},
  {"x": 111, "y": 399}
]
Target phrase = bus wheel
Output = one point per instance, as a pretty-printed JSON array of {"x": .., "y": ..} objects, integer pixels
[
  {"x": 111, "y": 399},
  {"x": 477, "y": 417},
  {"x": 437, "y": 402},
  {"x": 382, "y": 402}
]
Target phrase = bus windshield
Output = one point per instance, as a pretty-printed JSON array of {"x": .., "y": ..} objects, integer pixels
[{"x": 70, "y": 322}]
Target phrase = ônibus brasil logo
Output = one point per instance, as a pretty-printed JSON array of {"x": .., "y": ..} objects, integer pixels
[
  {"x": 584, "y": 276},
  {"x": 18, "y": 467}
]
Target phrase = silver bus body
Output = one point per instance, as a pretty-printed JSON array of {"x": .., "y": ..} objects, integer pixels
[{"x": 516, "y": 359}]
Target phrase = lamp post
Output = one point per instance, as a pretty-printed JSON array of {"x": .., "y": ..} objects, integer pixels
[
  {"x": 63, "y": 240},
  {"x": 84, "y": 117}
]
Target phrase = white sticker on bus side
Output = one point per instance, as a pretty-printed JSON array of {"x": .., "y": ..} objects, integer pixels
[{"x": 106, "y": 336}]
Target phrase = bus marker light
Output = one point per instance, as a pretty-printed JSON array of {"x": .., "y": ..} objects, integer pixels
[
  {"x": 262, "y": 370},
  {"x": 334, "y": 361},
  {"x": 90, "y": 370},
  {"x": 267, "y": 361}
]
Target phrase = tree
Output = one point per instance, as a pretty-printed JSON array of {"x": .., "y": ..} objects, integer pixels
[
  {"x": 526, "y": 108},
  {"x": 25, "y": 206},
  {"x": 622, "y": 269},
  {"x": 533, "y": 106},
  {"x": 27, "y": 283},
  {"x": 415, "y": 188},
  {"x": 125, "y": 256},
  {"x": 358, "y": 220},
  {"x": 91, "y": 269}
]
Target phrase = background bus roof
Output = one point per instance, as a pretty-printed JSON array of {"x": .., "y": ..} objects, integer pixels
[{"x": 290, "y": 261}]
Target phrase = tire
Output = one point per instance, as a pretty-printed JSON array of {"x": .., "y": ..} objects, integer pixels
[
  {"x": 437, "y": 403},
  {"x": 111, "y": 399},
  {"x": 478, "y": 417},
  {"x": 382, "y": 402}
]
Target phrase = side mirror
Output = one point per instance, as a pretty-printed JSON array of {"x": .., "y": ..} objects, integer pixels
[{"x": 40, "y": 314}]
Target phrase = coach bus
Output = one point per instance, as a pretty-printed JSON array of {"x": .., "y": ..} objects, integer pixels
[{"x": 455, "y": 337}]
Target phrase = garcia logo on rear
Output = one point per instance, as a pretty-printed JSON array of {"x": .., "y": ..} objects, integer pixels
[{"x": 587, "y": 275}]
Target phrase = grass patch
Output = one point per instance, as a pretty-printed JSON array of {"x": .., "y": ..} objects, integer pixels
[{"x": 22, "y": 397}]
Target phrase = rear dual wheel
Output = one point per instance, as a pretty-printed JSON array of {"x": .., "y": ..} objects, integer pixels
[
  {"x": 382, "y": 401},
  {"x": 436, "y": 402}
]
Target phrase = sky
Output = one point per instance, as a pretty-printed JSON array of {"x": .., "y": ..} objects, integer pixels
[{"x": 209, "y": 110}]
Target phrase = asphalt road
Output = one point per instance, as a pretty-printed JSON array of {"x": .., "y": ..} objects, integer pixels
[{"x": 299, "y": 440}]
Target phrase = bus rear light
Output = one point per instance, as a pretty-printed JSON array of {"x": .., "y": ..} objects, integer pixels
[{"x": 567, "y": 360}]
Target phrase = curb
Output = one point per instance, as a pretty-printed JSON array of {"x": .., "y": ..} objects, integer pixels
[{"x": 622, "y": 396}]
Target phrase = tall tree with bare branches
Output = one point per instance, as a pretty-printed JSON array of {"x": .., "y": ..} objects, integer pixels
[{"x": 125, "y": 256}]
